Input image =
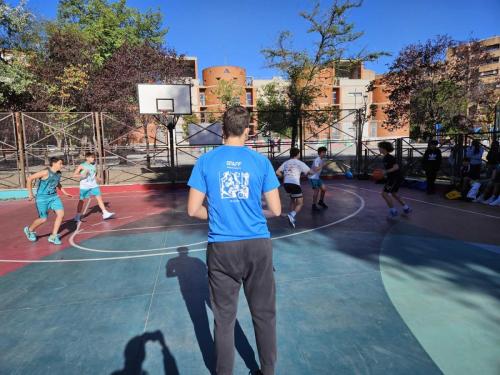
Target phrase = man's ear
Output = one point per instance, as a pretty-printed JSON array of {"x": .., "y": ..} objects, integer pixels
[{"x": 246, "y": 132}]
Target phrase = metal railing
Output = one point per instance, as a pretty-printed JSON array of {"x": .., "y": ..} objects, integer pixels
[{"x": 144, "y": 149}]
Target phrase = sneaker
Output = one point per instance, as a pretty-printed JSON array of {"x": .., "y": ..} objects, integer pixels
[
  {"x": 322, "y": 204},
  {"x": 55, "y": 239},
  {"x": 255, "y": 372},
  {"x": 78, "y": 218},
  {"x": 496, "y": 202},
  {"x": 31, "y": 236},
  {"x": 393, "y": 214},
  {"x": 107, "y": 215},
  {"x": 406, "y": 210},
  {"x": 291, "y": 220},
  {"x": 488, "y": 201},
  {"x": 479, "y": 199},
  {"x": 315, "y": 208}
]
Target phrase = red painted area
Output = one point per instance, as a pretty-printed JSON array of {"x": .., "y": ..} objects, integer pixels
[{"x": 135, "y": 203}]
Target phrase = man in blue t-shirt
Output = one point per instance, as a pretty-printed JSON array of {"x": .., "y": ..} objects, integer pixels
[{"x": 233, "y": 179}]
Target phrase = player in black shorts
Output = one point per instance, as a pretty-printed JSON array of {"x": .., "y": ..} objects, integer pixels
[{"x": 394, "y": 178}]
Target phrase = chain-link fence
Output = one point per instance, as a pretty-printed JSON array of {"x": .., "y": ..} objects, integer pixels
[{"x": 148, "y": 149}]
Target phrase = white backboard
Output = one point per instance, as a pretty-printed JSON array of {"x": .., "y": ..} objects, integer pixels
[{"x": 155, "y": 99}]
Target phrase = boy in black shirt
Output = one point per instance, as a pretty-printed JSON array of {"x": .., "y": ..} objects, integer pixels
[
  {"x": 394, "y": 179},
  {"x": 431, "y": 164}
]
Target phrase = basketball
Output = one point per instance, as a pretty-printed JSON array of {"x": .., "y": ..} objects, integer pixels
[{"x": 378, "y": 174}]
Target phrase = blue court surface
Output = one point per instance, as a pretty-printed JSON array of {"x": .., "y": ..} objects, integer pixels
[{"x": 356, "y": 293}]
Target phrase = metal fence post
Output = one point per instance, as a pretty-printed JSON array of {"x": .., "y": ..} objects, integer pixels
[
  {"x": 99, "y": 145},
  {"x": 359, "y": 143},
  {"x": 20, "y": 149},
  {"x": 399, "y": 151}
]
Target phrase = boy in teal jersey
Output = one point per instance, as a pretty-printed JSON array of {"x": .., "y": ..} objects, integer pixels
[
  {"x": 47, "y": 199},
  {"x": 87, "y": 173}
]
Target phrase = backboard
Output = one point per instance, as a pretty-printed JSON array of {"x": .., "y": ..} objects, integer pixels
[{"x": 155, "y": 99}]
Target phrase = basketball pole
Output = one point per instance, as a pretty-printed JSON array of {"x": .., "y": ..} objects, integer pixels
[{"x": 171, "y": 123}]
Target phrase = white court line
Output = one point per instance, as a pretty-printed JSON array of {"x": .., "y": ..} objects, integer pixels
[
  {"x": 429, "y": 203},
  {"x": 139, "y": 228},
  {"x": 81, "y": 247},
  {"x": 360, "y": 208}
]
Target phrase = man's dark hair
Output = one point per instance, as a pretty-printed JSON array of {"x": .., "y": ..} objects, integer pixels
[
  {"x": 235, "y": 121},
  {"x": 294, "y": 152},
  {"x": 54, "y": 160},
  {"x": 88, "y": 154},
  {"x": 387, "y": 146},
  {"x": 321, "y": 149}
]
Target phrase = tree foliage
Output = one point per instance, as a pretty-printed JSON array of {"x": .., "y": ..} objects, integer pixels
[
  {"x": 333, "y": 34},
  {"x": 19, "y": 36},
  {"x": 109, "y": 25},
  {"x": 434, "y": 82},
  {"x": 228, "y": 93}
]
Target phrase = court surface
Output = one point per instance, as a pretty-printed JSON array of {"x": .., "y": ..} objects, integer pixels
[{"x": 356, "y": 293}]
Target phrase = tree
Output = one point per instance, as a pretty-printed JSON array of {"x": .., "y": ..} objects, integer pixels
[
  {"x": 272, "y": 107},
  {"x": 434, "y": 82},
  {"x": 19, "y": 36},
  {"x": 228, "y": 93},
  {"x": 109, "y": 25},
  {"x": 333, "y": 35}
]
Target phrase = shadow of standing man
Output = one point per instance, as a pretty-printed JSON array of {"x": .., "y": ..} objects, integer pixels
[{"x": 192, "y": 274}]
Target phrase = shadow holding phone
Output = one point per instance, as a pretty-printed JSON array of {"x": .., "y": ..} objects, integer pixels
[{"x": 135, "y": 354}]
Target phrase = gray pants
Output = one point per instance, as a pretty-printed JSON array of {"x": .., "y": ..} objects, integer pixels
[{"x": 230, "y": 264}]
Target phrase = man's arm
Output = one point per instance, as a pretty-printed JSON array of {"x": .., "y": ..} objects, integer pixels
[
  {"x": 273, "y": 201},
  {"x": 195, "y": 205},
  {"x": 33, "y": 177}
]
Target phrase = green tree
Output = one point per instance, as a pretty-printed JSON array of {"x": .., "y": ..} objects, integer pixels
[
  {"x": 228, "y": 93},
  {"x": 272, "y": 107},
  {"x": 333, "y": 35},
  {"x": 19, "y": 36},
  {"x": 108, "y": 25}
]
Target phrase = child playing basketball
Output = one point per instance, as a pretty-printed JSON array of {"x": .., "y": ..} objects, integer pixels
[
  {"x": 291, "y": 170},
  {"x": 47, "y": 199},
  {"x": 316, "y": 182},
  {"x": 89, "y": 186},
  {"x": 394, "y": 179}
]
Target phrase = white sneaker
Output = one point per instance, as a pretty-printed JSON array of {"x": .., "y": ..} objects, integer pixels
[
  {"x": 78, "y": 218},
  {"x": 496, "y": 202},
  {"x": 489, "y": 201},
  {"x": 107, "y": 215},
  {"x": 479, "y": 199},
  {"x": 291, "y": 220}
]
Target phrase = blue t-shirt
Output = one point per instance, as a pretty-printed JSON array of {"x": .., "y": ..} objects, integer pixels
[{"x": 233, "y": 179}]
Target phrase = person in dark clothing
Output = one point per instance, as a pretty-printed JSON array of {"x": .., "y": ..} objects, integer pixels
[
  {"x": 394, "y": 177},
  {"x": 431, "y": 164},
  {"x": 493, "y": 158}
]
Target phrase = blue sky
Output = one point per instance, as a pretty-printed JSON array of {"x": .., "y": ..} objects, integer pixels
[{"x": 234, "y": 32}]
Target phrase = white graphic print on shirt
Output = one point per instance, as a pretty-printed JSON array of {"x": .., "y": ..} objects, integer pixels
[{"x": 234, "y": 185}]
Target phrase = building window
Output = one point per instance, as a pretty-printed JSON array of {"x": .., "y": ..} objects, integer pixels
[
  {"x": 489, "y": 73},
  {"x": 492, "y": 60},
  {"x": 249, "y": 98},
  {"x": 492, "y": 47},
  {"x": 203, "y": 117},
  {"x": 335, "y": 97},
  {"x": 373, "y": 129},
  {"x": 202, "y": 99}
]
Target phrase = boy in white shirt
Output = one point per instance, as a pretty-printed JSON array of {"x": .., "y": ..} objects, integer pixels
[
  {"x": 291, "y": 170},
  {"x": 87, "y": 173},
  {"x": 316, "y": 182}
]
